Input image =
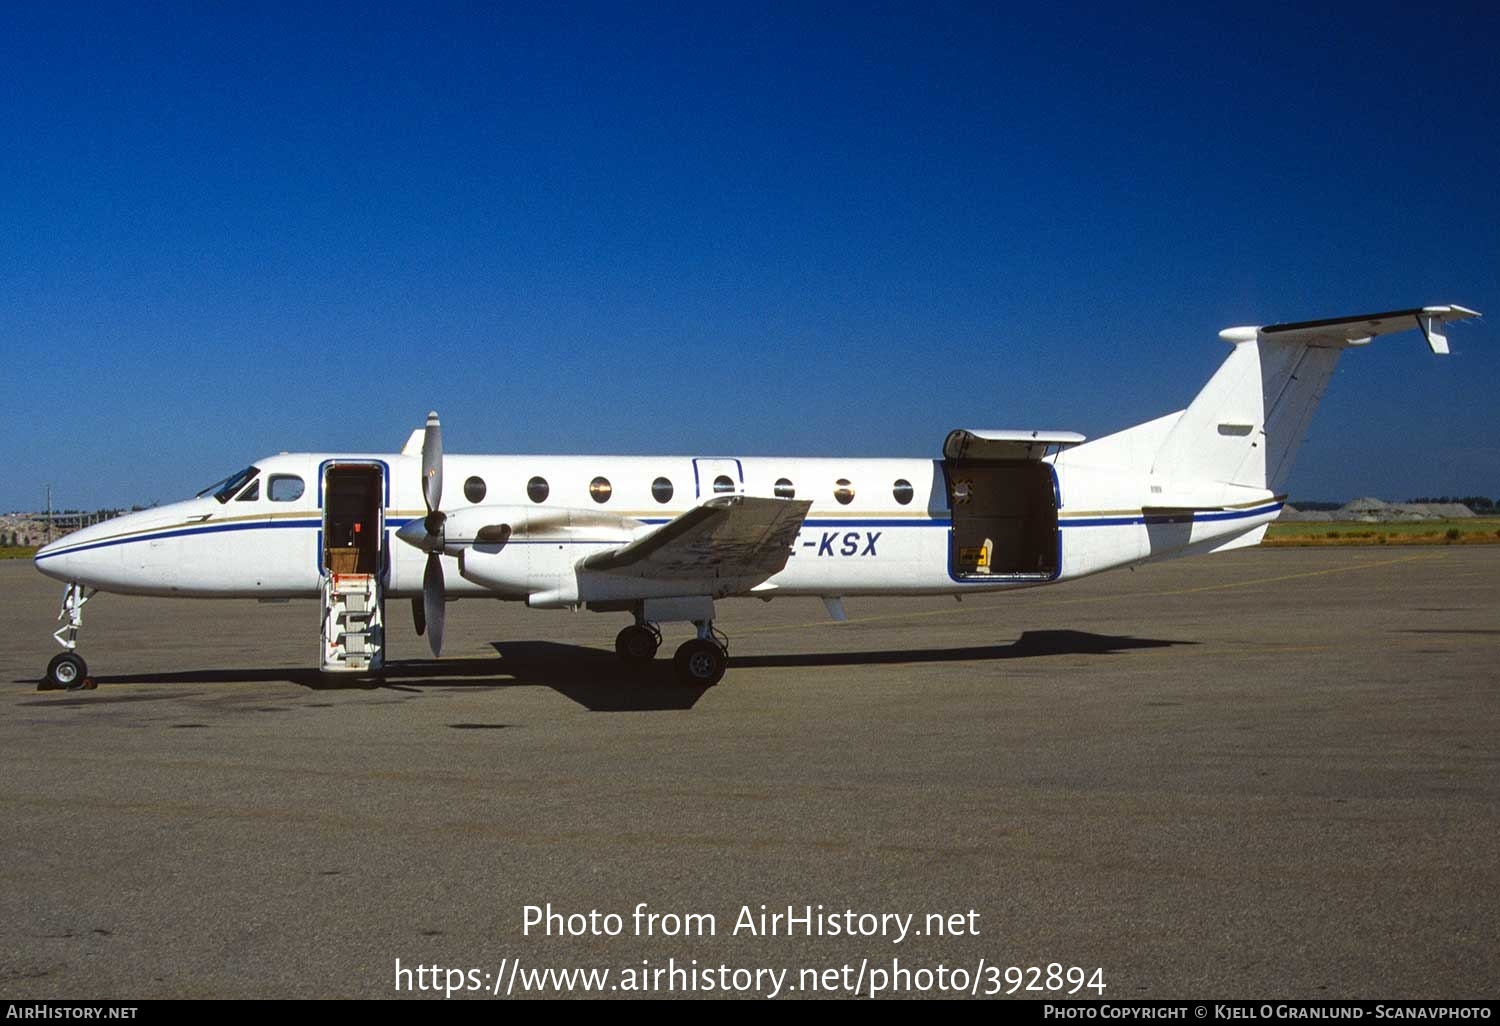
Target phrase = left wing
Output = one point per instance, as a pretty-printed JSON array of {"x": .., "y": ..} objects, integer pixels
[{"x": 739, "y": 536}]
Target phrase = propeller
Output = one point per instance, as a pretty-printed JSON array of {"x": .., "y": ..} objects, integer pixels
[
  {"x": 433, "y": 601},
  {"x": 433, "y": 598},
  {"x": 430, "y": 535},
  {"x": 427, "y": 534},
  {"x": 432, "y": 473}
]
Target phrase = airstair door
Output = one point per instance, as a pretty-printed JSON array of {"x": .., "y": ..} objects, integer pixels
[{"x": 354, "y": 562}]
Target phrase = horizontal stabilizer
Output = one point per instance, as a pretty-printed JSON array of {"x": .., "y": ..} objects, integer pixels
[{"x": 1339, "y": 332}]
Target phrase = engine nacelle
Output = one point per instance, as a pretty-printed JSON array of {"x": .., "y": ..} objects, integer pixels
[
  {"x": 506, "y": 572},
  {"x": 532, "y": 553}
]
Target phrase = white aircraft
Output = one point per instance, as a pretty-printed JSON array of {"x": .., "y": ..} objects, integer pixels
[{"x": 663, "y": 538}]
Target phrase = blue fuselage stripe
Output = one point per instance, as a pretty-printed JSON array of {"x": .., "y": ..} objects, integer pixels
[
  {"x": 835, "y": 523},
  {"x": 183, "y": 531},
  {"x": 1198, "y": 518}
]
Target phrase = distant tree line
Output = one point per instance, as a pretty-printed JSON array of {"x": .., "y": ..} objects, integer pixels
[{"x": 1478, "y": 503}]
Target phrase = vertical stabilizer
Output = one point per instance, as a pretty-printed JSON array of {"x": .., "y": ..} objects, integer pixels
[{"x": 1245, "y": 426}]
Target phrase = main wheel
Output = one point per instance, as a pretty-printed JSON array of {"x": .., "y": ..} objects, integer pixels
[
  {"x": 700, "y": 663},
  {"x": 637, "y": 645},
  {"x": 66, "y": 670}
]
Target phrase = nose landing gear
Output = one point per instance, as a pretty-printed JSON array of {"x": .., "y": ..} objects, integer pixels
[{"x": 67, "y": 670}]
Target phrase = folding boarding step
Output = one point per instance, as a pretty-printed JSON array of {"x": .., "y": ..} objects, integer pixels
[{"x": 353, "y": 627}]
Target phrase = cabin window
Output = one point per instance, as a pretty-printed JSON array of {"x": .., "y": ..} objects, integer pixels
[
  {"x": 661, "y": 490},
  {"x": 536, "y": 489},
  {"x": 251, "y": 494},
  {"x": 284, "y": 488},
  {"x": 843, "y": 491},
  {"x": 903, "y": 491},
  {"x": 784, "y": 489},
  {"x": 474, "y": 489},
  {"x": 600, "y": 489},
  {"x": 723, "y": 483}
]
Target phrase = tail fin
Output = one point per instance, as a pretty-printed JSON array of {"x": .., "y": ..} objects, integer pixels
[{"x": 1245, "y": 426}]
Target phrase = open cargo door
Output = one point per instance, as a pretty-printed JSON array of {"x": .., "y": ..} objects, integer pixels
[{"x": 1002, "y": 493}]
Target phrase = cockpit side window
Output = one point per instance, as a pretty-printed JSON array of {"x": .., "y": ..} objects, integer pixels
[
  {"x": 284, "y": 488},
  {"x": 224, "y": 490}
]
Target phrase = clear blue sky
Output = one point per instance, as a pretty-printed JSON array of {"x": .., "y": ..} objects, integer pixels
[{"x": 228, "y": 230}]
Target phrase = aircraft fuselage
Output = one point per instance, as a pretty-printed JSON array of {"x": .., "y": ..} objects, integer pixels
[{"x": 859, "y": 538}]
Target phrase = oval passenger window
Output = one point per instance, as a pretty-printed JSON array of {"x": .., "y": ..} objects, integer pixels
[
  {"x": 784, "y": 489},
  {"x": 903, "y": 491},
  {"x": 844, "y": 492},
  {"x": 661, "y": 490},
  {"x": 474, "y": 489},
  {"x": 536, "y": 489},
  {"x": 600, "y": 489}
]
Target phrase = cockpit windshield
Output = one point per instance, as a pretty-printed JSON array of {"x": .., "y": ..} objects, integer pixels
[{"x": 224, "y": 490}]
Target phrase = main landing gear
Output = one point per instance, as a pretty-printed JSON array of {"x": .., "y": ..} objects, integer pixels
[
  {"x": 699, "y": 662},
  {"x": 637, "y": 644},
  {"x": 67, "y": 670}
]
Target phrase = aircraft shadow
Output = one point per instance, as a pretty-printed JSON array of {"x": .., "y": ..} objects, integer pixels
[
  {"x": 591, "y": 677},
  {"x": 596, "y": 680},
  {"x": 1030, "y": 645}
]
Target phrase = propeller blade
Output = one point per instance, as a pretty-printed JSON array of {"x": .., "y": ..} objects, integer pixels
[
  {"x": 433, "y": 601},
  {"x": 432, "y": 464},
  {"x": 418, "y": 616}
]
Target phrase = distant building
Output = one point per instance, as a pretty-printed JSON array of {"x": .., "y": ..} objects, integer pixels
[{"x": 34, "y": 529}]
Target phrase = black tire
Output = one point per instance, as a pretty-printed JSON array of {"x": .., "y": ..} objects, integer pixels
[
  {"x": 636, "y": 645},
  {"x": 66, "y": 670},
  {"x": 700, "y": 663}
]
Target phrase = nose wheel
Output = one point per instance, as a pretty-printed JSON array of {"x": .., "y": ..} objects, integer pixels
[{"x": 67, "y": 670}]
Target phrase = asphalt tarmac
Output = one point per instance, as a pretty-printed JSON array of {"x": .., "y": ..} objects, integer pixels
[{"x": 1273, "y": 773}]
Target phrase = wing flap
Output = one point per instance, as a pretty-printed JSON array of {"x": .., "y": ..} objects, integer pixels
[{"x": 738, "y": 536}]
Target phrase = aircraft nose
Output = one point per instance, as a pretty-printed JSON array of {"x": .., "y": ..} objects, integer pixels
[
  {"x": 79, "y": 556},
  {"x": 52, "y": 559}
]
